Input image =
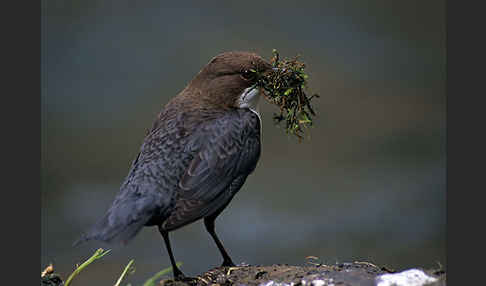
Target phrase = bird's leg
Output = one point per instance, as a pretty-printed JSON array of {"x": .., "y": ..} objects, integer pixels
[
  {"x": 209, "y": 223},
  {"x": 178, "y": 275}
]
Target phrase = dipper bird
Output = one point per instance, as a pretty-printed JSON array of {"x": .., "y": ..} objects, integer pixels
[{"x": 195, "y": 158}]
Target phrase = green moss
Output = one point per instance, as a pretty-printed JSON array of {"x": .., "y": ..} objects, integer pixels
[{"x": 285, "y": 87}]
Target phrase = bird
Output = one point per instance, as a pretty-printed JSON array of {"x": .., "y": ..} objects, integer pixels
[{"x": 197, "y": 155}]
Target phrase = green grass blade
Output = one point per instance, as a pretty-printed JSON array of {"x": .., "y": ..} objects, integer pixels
[
  {"x": 125, "y": 272},
  {"x": 97, "y": 255}
]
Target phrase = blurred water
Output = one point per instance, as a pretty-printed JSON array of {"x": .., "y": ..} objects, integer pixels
[
  {"x": 369, "y": 185},
  {"x": 374, "y": 223}
]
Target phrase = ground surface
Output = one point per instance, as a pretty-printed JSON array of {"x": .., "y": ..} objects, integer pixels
[
  {"x": 357, "y": 273},
  {"x": 343, "y": 274}
]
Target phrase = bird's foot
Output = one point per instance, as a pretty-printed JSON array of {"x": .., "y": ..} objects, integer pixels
[
  {"x": 228, "y": 263},
  {"x": 185, "y": 279},
  {"x": 179, "y": 276}
]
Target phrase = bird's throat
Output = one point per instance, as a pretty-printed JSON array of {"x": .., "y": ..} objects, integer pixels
[{"x": 249, "y": 98}]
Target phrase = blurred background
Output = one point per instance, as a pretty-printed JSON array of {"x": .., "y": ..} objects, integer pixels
[{"x": 369, "y": 185}]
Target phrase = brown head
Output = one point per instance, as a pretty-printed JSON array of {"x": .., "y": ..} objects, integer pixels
[{"x": 225, "y": 82}]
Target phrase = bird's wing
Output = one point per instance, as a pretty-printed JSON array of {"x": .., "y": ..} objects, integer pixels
[{"x": 228, "y": 149}]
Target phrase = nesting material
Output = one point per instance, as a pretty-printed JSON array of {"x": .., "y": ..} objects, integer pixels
[{"x": 285, "y": 86}]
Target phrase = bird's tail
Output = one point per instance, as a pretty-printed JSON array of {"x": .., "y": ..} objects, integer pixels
[
  {"x": 111, "y": 231},
  {"x": 126, "y": 217}
]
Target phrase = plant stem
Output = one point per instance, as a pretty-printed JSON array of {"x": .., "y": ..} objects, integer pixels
[
  {"x": 124, "y": 273},
  {"x": 97, "y": 255}
]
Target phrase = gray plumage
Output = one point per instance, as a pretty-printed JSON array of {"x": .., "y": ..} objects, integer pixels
[
  {"x": 195, "y": 158},
  {"x": 190, "y": 176}
]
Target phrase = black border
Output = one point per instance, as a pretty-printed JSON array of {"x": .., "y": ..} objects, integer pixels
[
  {"x": 21, "y": 133},
  {"x": 465, "y": 127}
]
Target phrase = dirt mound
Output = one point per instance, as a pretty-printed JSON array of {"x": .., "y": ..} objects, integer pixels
[
  {"x": 357, "y": 273},
  {"x": 342, "y": 274}
]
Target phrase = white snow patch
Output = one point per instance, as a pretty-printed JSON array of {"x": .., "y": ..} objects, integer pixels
[{"x": 411, "y": 277}]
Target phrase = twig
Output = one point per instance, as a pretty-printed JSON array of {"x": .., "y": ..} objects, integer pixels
[{"x": 49, "y": 269}]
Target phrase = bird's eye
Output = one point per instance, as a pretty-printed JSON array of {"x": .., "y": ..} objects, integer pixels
[{"x": 248, "y": 74}]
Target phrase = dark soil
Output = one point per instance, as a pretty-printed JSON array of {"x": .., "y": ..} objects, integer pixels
[{"x": 343, "y": 274}]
